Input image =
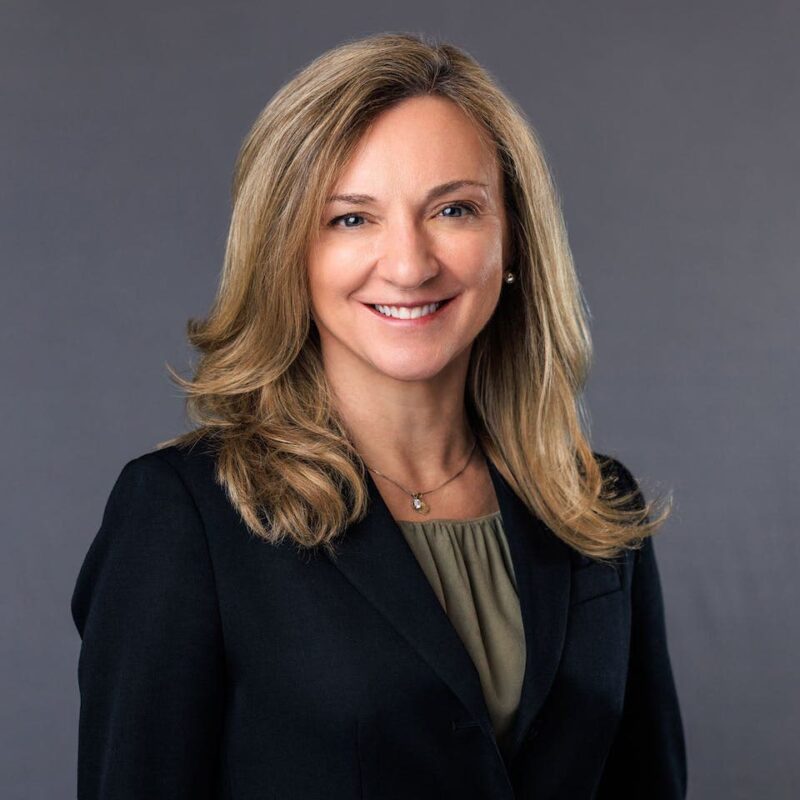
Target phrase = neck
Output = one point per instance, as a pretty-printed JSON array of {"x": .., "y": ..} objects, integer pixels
[{"x": 415, "y": 432}]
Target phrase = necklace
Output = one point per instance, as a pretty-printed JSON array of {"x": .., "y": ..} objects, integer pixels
[{"x": 417, "y": 503}]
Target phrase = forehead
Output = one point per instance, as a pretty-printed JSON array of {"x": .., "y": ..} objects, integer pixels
[{"x": 420, "y": 142}]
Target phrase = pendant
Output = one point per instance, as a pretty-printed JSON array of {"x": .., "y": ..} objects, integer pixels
[{"x": 419, "y": 505}]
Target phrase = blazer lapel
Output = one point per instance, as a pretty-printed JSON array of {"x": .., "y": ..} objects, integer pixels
[
  {"x": 375, "y": 557},
  {"x": 543, "y": 569}
]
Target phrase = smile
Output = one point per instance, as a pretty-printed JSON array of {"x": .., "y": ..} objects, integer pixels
[{"x": 410, "y": 313}]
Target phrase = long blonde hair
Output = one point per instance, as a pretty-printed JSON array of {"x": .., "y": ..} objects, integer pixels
[{"x": 259, "y": 395}]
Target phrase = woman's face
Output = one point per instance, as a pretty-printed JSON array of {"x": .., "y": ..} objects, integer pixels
[{"x": 424, "y": 223}]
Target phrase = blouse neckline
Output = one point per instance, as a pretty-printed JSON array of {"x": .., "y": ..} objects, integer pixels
[{"x": 450, "y": 521}]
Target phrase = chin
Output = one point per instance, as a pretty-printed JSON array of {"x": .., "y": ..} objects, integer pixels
[{"x": 412, "y": 370}]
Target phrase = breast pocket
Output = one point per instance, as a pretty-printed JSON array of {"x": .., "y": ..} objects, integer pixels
[{"x": 594, "y": 580}]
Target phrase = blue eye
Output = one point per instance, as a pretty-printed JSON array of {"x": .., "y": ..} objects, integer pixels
[
  {"x": 334, "y": 222},
  {"x": 469, "y": 208},
  {"x": 466, "y": 206}
]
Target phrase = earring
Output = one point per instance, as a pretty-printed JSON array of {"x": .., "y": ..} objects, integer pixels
[{"x": 510, "y": 277}]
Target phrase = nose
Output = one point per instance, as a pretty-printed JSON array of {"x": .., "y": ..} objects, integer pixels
[{"x": 407, "y": 258}]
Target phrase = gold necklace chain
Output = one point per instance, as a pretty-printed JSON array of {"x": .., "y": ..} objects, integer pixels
[{"x": 417, "y": 503}]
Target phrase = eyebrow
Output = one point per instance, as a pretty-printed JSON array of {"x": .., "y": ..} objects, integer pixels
[{"x": 436, "y": 191}]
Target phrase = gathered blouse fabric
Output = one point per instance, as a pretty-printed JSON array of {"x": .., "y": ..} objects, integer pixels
[{"x": 468, "y": 564}]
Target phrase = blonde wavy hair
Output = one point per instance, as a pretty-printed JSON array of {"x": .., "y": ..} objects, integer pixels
[{"x": 259, "y": 395}]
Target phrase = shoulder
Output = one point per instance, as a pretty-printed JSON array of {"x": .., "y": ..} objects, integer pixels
[
  {"x": 181, "y": 472},
  {"x": 174, "y": 485},
  {"x": 619, "y": 478},
  {"x": 150, "y": 498},
  {"x": 621, "y": 482},
  {"x": 154, "y": 502},
  {"x": 151, "y": 541},
  {"x": 193, "y": 462}
]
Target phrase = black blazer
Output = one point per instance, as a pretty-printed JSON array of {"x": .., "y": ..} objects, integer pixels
[{"x": 216, "y": 665}]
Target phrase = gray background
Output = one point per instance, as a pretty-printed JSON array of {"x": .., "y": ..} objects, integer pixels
[{"x": 672, "y": 129}]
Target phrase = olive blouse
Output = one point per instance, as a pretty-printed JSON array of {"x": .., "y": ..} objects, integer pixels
[{"x": 469, "y": 566}]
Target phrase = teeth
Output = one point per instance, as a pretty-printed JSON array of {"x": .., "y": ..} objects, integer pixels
[{"x": 404, "y": 312}]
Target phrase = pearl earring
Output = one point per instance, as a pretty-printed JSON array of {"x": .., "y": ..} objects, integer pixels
[{"x": 510, "y": 277}]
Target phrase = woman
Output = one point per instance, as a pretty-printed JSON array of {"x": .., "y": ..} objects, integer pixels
[{"x": 386, "y": 563}]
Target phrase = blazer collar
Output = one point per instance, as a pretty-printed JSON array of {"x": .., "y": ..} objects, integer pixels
[{"x": 375, "y": 557}]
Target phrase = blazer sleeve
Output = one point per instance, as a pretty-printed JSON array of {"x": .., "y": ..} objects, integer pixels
[
  {"x": 151, "y": 666},
  {"x": 648, "y": 757}
]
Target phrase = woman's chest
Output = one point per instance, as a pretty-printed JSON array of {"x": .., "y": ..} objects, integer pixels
[{"x": 468, "y": 496}]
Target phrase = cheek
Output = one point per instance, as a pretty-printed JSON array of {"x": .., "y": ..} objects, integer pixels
[
  {"x": 481, "y": 262},
  {"x": 488, "y": 274},
  {"x": 331, "y": 279},
  {"x": 486, "y": 280}
]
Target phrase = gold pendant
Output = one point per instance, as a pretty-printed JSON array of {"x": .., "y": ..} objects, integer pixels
[{"x": 419, "y": 505}]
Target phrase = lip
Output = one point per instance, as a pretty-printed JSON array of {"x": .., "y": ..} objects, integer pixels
[
  {"x": 419, "y": 321},
  {"x": 415, "y": 304}
]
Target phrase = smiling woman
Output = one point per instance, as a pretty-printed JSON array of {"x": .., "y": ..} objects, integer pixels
[
  {"x": 423, "y": 238},
  {"x": 386, "y": 562}
]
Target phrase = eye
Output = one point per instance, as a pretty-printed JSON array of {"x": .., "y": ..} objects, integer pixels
[
  {"x": 470, "y": 209},
  {"x": 335, "y": 221}
]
